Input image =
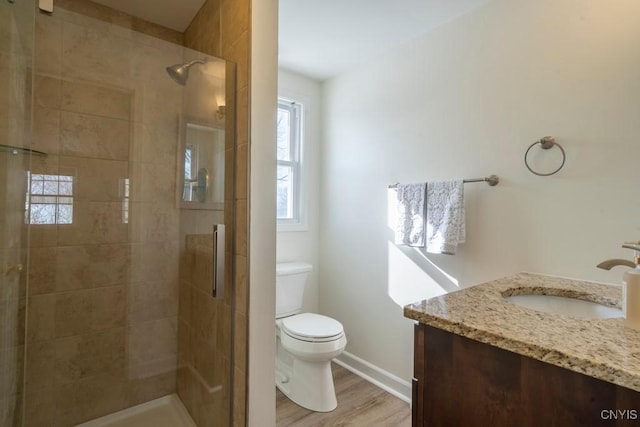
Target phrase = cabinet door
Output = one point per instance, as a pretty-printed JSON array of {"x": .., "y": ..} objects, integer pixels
[{"x": 463, "y": 382}]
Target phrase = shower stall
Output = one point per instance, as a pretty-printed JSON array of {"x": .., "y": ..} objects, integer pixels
[{"x": 116, "y": 223}]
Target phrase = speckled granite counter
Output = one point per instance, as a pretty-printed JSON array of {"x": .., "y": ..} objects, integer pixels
[{"x": 601, "y": 348}]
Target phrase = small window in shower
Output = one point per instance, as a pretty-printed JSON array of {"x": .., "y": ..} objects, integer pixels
[
  {"x": 125, "y": 189},
  {"x": 49, "y": 199},
  {"x": 190, "y": 173},
  {"x": 289, "y": 182}
]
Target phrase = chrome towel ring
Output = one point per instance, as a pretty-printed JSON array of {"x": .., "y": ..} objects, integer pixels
[{"x": 546, "y": 143}]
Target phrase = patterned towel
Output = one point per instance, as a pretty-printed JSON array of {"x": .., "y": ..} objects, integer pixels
[
  {"x": 445, "y": 216},
  {"x": 410, "y": 229}
]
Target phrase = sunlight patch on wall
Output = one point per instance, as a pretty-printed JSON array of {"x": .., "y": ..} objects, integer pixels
[
  {"x": 407, "y": 282},
  {"x": 449, "y": 277},
  {"x": 412, "y": 275}
]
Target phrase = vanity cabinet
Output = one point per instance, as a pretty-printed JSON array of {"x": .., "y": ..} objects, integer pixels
[{"x": 462, "y": 382}]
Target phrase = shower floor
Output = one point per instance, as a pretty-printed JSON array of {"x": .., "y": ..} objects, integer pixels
[{"x": 167, "y": 411}]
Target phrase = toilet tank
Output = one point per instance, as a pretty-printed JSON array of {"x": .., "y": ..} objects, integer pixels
[{"x": 291, "y": 278}]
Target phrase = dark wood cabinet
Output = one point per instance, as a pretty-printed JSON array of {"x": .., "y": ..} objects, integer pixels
[{"x": 461, "y": 382}]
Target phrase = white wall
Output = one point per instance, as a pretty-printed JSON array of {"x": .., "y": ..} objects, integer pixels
[
  {"x": 262, "y": 212},
  {"x": 302, "y": 243},
  {"x": 466, "y": 101}
]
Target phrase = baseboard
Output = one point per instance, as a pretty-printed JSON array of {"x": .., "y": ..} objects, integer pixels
[{"x": 375, "y": 375}]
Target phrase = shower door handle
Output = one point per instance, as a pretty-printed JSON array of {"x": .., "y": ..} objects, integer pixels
[{"x": 218, "y": 261}]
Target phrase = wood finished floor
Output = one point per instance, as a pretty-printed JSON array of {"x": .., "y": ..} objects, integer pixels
[{"x": 360, "y": 403}]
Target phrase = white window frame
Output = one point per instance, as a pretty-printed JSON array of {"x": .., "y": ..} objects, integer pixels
[
  {"x": 298, "y": 221},
  {"x": 53, "y": 191}
]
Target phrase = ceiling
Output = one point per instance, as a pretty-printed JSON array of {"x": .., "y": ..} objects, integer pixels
[
  {"x": 174, "y": 14},
  {"x": 323, "y": 38}
]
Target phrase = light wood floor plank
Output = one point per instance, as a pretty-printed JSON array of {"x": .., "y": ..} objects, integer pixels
[{"x": 360, "y": 403}]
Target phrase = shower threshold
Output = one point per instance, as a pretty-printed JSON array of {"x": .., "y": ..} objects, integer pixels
[{"x": 167, "y": 411}]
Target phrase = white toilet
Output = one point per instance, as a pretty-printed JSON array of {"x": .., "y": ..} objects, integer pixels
[{"x": 306, "y": 343}]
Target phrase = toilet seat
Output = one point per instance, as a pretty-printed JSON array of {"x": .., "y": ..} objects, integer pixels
[{"x": 312, "y": 327}]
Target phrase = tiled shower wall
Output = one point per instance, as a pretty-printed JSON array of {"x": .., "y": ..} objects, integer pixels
[
  {"x": 16, "y": 39},
  {"x": 203, "y": 370},
  {"x": 204, "y": 321},
  {"x": 222, "y": 28},
  {"x": 102, "y": 326}
]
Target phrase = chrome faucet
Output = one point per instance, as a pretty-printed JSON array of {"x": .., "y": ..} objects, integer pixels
[{"x": 610, "y": 263}]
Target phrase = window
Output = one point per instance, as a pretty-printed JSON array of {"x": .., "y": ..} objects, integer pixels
[
  {"x": 50, "y": 199},
  {"x": 289, "y": 173},
  {"x": 125, "y": 190},
  {"x": 190, "y": 174}
]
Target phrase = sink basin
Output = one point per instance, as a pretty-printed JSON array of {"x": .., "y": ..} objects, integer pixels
[{"x": 565, "y": 306}]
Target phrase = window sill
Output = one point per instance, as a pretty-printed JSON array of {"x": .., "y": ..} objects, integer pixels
[{"x": 287, "y": 227}]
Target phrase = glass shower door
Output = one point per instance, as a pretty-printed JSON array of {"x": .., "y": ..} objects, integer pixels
[
  {"x": 206, "y": 170},
  {"x": 116, "y": 244},
  {"x": 16, "y": 52},
  {"x": 115, "y": 319}
]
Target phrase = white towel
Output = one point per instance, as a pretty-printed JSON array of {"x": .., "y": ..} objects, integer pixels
[
  {"x": 410, "y": 228},
  {"x": 445, "y": 216}
]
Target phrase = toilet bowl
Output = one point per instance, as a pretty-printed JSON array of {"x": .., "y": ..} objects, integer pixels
[{"x": 306, "y": 343}]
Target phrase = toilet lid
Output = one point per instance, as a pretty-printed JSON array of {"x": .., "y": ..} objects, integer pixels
[{"x": 310, "y": 325}]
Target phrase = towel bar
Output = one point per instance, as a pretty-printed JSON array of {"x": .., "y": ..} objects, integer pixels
[{"x": 492, "y": 180}]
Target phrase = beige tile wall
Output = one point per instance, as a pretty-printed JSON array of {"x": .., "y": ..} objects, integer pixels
[
  {"x": 221, "y": 28},
  {"x": 15, "y": 96},
  {"x": 103, "y": 290},
  {"x": 204, "y": 374},
  {"x": 13, "y": 242},
  {"x": 130, "y": 134},
  {"x": 106, "y": 14},
  {"x": 204, "y": 351}
]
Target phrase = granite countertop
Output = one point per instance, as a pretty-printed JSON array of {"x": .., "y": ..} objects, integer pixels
[{"x": 601, "y": 348}]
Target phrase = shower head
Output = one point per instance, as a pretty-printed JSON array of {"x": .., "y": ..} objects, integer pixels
[{"x": 180, "y": 72}]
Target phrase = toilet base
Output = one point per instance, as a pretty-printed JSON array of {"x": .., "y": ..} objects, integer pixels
[{"x": 308, "y": 384}]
